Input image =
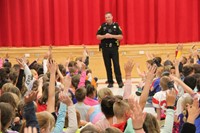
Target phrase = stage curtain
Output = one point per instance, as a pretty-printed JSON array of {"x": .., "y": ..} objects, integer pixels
[{"x": 29, "y": 23}]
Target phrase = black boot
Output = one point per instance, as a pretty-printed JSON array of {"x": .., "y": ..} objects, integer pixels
[
  {"x": 110, "y": 85},
  {"x": 121, "y": 85}
]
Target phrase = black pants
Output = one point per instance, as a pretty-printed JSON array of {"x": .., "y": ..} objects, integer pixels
[{"x": 108, "y": 55}]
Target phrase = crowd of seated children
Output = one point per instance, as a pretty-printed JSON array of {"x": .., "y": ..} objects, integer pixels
[{"x": 46, "y": 97}]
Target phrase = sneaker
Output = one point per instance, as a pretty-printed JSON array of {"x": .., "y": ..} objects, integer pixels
[
  {"x": 110, "y": 85},
  {"x": 138, "y": 93},
  {"x": 121, "y": 85}
]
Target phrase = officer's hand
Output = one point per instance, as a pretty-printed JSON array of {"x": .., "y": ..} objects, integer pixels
[{"x": 108, "y": 35}]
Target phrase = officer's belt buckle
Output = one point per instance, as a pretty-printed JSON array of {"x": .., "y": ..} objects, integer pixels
[{"x": 110, "y": 45}]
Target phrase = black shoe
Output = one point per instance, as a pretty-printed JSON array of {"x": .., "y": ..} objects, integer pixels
[
  {"x": 121, "y": 85},
  {"x": 110, "y": 85}
]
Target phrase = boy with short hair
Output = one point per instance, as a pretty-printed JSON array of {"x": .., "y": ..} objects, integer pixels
[
  {"x": 80, "y": 95},
  {"x": 159, "y": 99},
  {"x": 122, "y": 112}
]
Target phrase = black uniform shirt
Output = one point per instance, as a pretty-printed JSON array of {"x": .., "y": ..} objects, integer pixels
[{"x": 113, "y": 29}]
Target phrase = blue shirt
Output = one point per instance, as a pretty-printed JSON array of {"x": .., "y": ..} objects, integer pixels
[{"x": 197, "y": 123}]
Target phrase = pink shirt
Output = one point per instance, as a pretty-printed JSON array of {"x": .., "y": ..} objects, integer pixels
[
  {"x": 82, "y": 79},
  {"x": 90, "y": 101}
]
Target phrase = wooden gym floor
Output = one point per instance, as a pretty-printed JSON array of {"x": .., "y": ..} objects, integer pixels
[{"x": 137, "y": 52}]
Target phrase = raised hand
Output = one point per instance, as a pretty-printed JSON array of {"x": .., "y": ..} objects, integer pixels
[
  {"x": 67, "y": 62},
  {"x": 180, "y": 47},
  {"x": 128, "y": 67},
  {"x": 50, "y": 52},
  {"x": 81, "y": 65},
  {"x": 138, "y": 116},
  {"x": 63, "y": 96},
  {"x": 177, "y": 62},
  {"x": 148, "y": 82},
  {"x": 193, "y": 46},
  {"x": 151, "y": 73},
  {"x": 20, "y": 62},
  {"x": 48, "y": 55},
  {"x": 7, "y": 56},
  {"x": 85, "y": 51},
  {"x": 195, "y": 53},
  {"x": 52, "y": 66},
  {"x": 67, "y": 82},
  {"x": 193, "y": 111},
  {"x": 174, "y": 78},
  {"x": 38, "y": 58},
  {"x": 51, "y": 94},
  {"x": 25, "y": 59},
  {"x": 171, "y": 97},
  {"x": 30, "y": 97}
]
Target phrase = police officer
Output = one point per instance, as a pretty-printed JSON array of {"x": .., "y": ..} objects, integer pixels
[{"x": 110, "y": 33}]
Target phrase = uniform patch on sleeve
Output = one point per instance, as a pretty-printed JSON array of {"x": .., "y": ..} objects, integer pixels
[
  {"x": 120, "y": 28},
  {"x": 99, "y": 27}
]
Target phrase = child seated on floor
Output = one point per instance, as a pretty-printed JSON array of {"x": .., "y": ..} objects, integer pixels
[
  {"x": 107, "y": 109},
  {"x": 80, "y": 95},
  {"x": 90, "y": 78},
  {"x": 187, "y": 101},
  {"x": 91, "y": 95},
  {"x": 122, "y": 112},
  {"x": 159, "y": 99}
]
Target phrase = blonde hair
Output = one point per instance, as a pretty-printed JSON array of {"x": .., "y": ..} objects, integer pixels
[
  {"x": 6, "y": 87},
  {"x": 167, "y": 68},
  {"x": 17, "y": 99},
  {"x": 89, "y": 128},
  {"x": 159, "y": 71},
  {"x": 103, "y": 93},
  {"x": 163, "y": 83},
  {"x": 9, "y": 87},
  {"x": 120, "y": 107},
  {"x": 186, "y": 100},
  {"x": 45, "y": 119}
]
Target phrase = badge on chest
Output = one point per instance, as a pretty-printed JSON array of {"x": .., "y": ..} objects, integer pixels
[{"x": 109, "y": 30}]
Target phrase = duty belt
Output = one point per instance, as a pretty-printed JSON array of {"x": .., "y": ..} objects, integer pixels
[{"x": 110, "y": 45}]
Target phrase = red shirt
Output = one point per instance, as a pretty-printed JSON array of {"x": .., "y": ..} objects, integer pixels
[
  {"x": 41, "y": 107},
  {"x": 120, "y": 126}
]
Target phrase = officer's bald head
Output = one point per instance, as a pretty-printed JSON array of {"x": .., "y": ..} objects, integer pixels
[
  {"x": 109, "y": 17},
  {"x": 108, "y": 13}
]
